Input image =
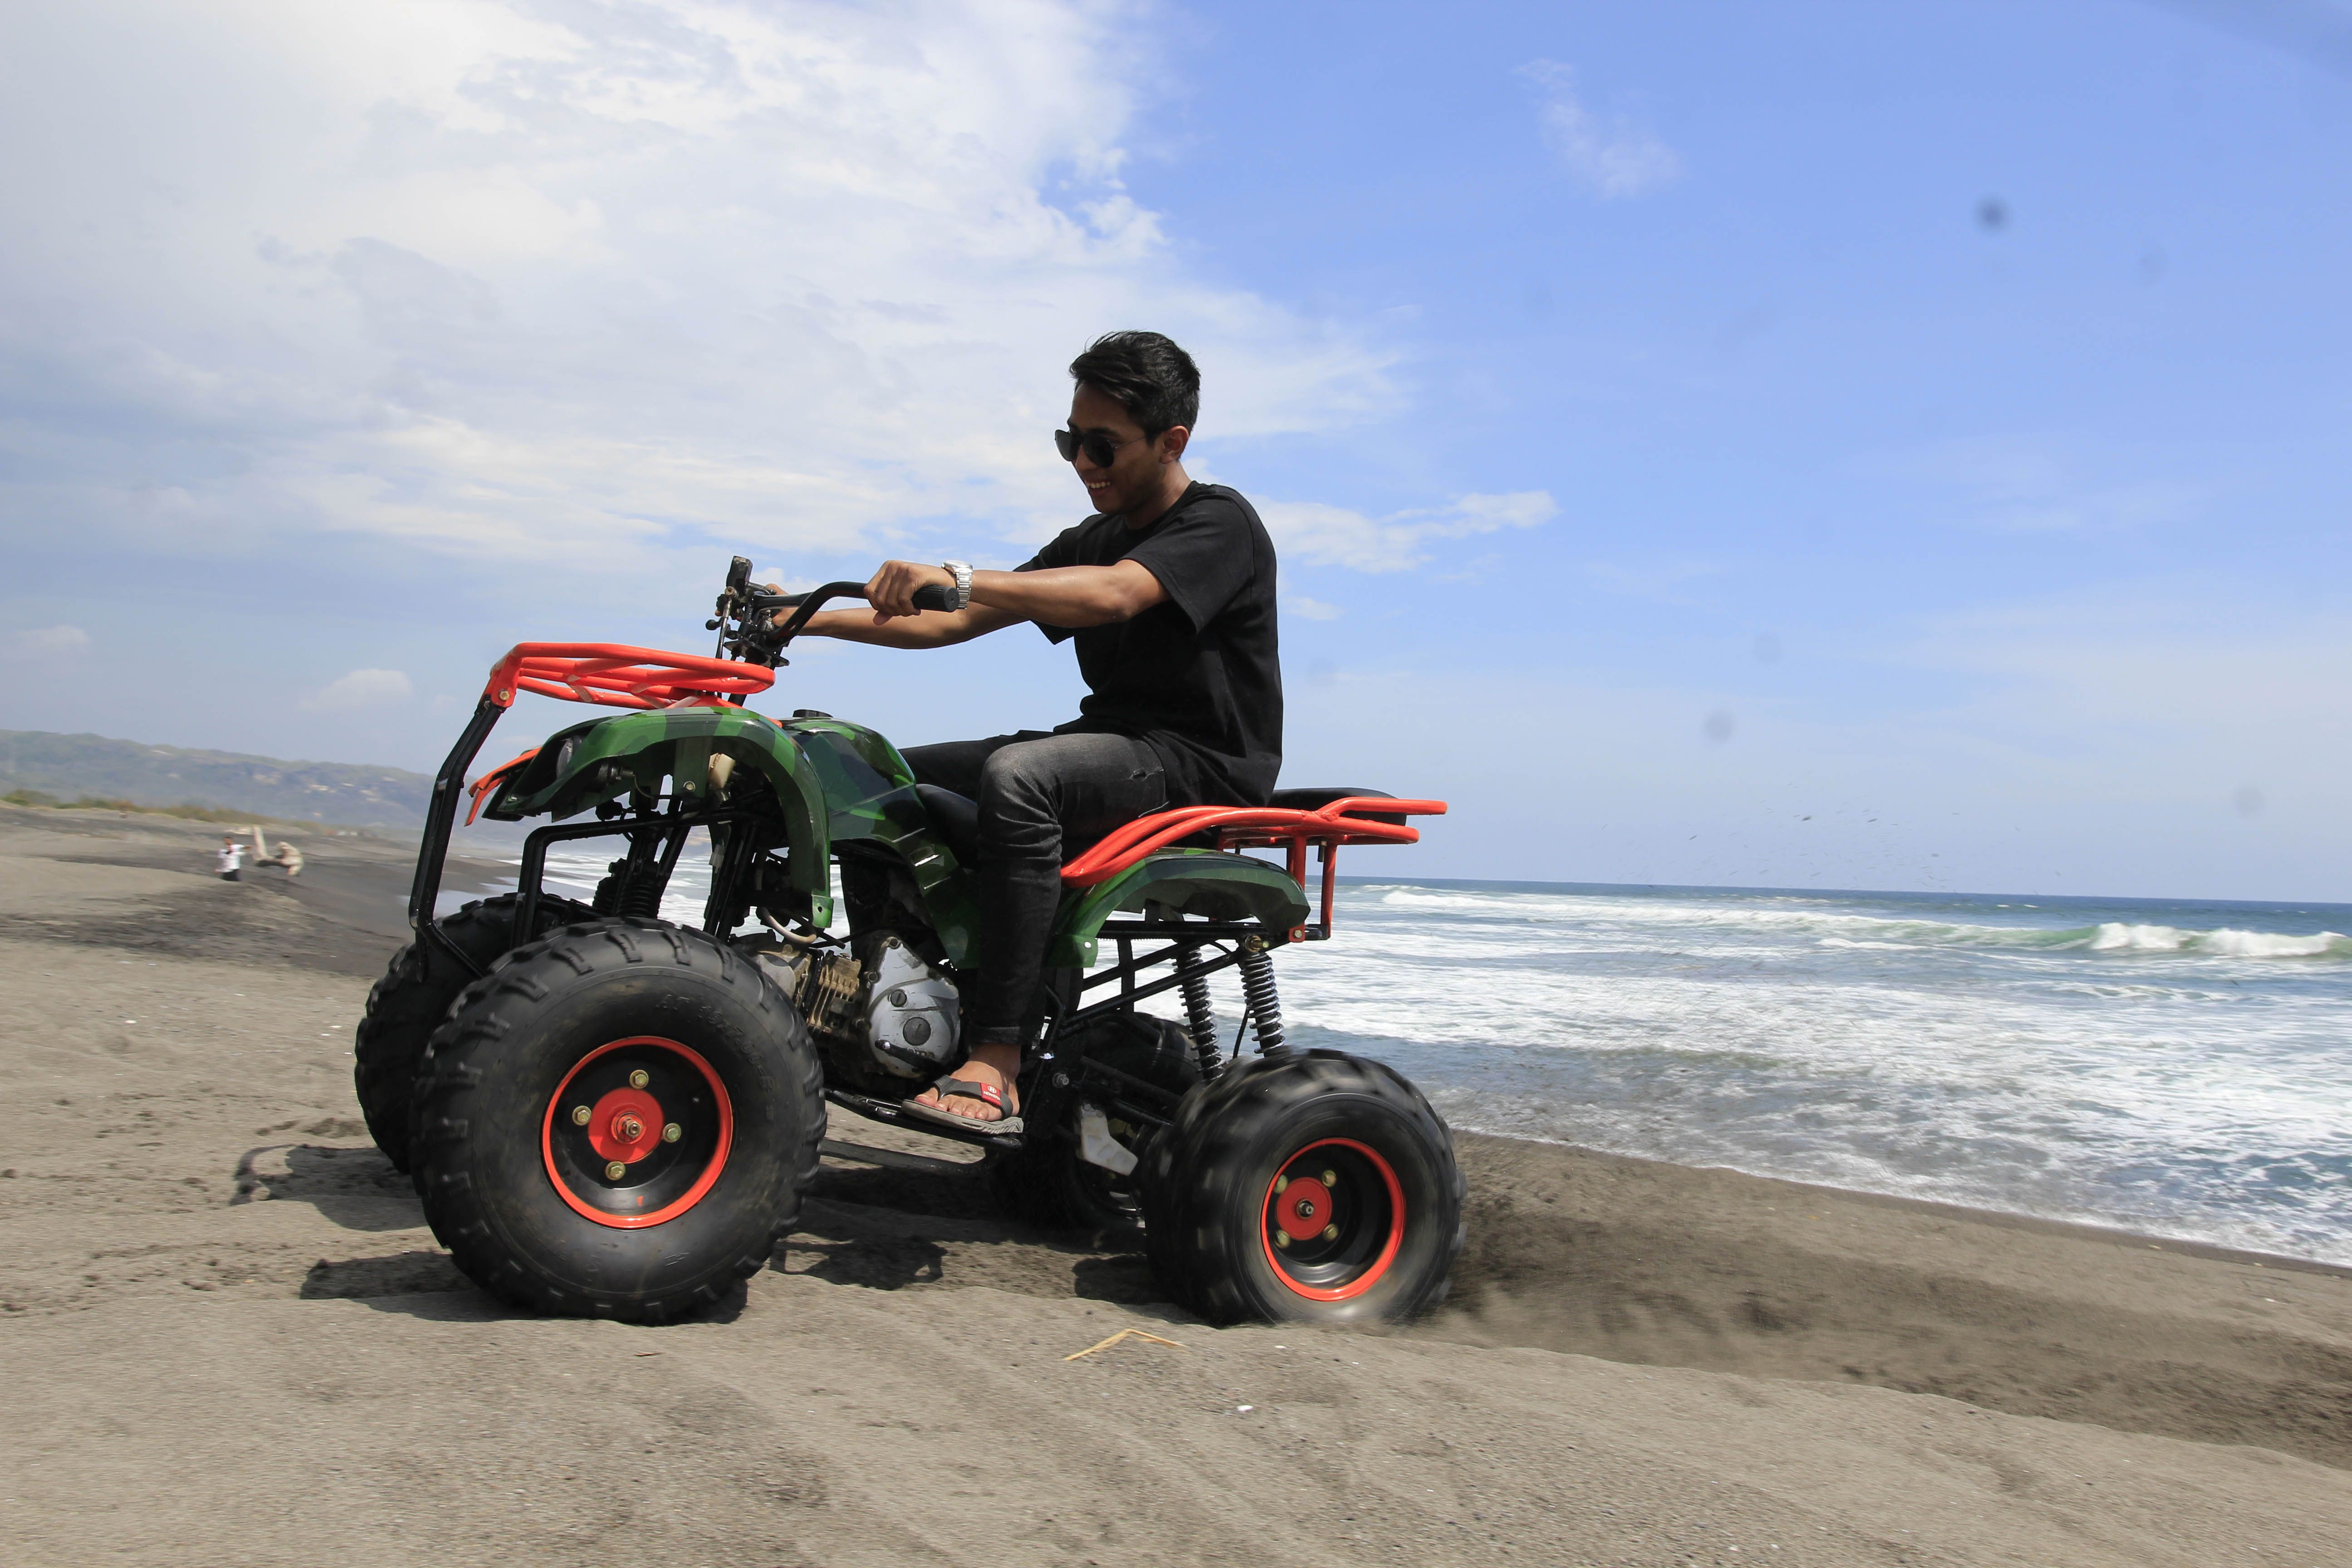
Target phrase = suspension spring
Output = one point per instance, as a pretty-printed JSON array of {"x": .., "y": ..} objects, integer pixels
[
  {"x": 1200, "y": 1015},
  {"x": 1265, "y": 1004},
  {"x": 642, "y": 898}
]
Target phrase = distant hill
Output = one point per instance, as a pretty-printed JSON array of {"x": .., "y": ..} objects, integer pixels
[{"x": 70, "y": 765}]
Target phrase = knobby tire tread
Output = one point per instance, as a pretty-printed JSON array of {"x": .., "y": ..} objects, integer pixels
[
  {"x": 412, "y": 998},
  {"x": 1187, "y": 1237},
  {"x": 493, "y": 1007}
]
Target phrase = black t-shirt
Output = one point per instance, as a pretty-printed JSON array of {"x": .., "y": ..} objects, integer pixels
[{"x": 1200, "y": 676}]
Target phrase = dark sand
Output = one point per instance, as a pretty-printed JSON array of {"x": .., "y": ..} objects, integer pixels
[{"x": 233, "y": 1341}]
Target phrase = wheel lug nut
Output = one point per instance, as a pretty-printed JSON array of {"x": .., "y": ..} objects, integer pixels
[
  {"x": 615, "y": 1170},
  {"x": 579, "y": 1116},
  {"x": 1331, "y": 1178},
  {"x": 639, "y": 1079},
  {"x": 673, "y": 1133},
  {"x": 1330, "y": 1233},
  {"x": 1280, "y": 1182},
  {"x": 1282, "y": 1238}
]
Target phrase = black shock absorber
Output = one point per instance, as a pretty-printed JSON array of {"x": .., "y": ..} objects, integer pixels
[
  {"x": 642, "y": 898},
  {"x": 1200, "y": 1015},
  {"x": 1265, "y": 1004},
  {"x": 609, "y": 891}
]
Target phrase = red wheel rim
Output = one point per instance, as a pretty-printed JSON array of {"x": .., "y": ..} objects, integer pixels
[
  {"x": 624, "y": 1126},
  {"x": 1298, "y": 1205}
]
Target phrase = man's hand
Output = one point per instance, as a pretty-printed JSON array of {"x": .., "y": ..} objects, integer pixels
[{"x": 892, "y": 590}]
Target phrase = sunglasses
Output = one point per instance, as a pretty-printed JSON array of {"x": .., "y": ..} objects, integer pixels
[{"x": 1096, "y": 444}]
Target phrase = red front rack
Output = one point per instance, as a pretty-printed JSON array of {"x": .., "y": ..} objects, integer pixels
[{"x": 613, "y": 674}]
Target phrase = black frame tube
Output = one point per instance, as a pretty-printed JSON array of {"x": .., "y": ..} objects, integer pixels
[
  {"x": 1049, "y": 1082},
  {"x": 441, "y": 814},
  {"x": 1130, "y": 967},
  {"x": 527, "y": 889}
]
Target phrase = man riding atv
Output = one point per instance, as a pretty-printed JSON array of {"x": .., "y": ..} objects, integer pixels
[
  {"x": 609, "y": 1113},
  {"x": 1169, "y": 590}
]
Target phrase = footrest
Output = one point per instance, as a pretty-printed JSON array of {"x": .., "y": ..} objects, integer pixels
[
  {"x": 893, "y": 1160},
  {"x": 891, "y": 1112}
]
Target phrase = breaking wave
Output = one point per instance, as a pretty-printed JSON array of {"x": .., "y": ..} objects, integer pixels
[
  {"x": 2114, "y": 936},
  {"x": 1827, "y": 928}
]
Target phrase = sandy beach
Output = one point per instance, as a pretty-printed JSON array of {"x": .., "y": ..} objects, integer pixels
[{"x": 233, "y": 1340}]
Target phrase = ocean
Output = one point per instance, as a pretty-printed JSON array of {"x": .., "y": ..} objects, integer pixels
[{"x": 2176, "y": 1068}]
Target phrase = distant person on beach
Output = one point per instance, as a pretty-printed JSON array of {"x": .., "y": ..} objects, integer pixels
[
  {"x": 1168, "y": 592},
  {"x": 231, "y": 854},
  {"x": 288, "y": 857}
]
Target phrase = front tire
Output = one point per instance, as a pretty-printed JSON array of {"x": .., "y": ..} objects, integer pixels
[
  {"x": 412, "y": 999},
  {"x": 1317, "y": 1187},
  {"x": 619, "y": 1122}
]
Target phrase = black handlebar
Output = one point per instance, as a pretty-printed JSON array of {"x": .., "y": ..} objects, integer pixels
[
  {"x": 745, "y": 620},
  {"x": 929, "y": 597}
]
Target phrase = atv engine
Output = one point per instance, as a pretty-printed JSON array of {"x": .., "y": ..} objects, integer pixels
[{"x": 881, "y": 1000}]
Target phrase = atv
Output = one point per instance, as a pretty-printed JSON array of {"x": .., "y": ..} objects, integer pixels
[{"x": 610, "y": 1114}]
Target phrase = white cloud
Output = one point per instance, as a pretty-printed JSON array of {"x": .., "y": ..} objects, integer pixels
[
  {"x": 1618, "y": 158},
  {"x": 1299, "y": 605},
  {"x": 49, "y": 642},
  {"x": 362, "y": 688},
  {"x": 1311, "y": 531},
  {"x": 507, "y": 279}
]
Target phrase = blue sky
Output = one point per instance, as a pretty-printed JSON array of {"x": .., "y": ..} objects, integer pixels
[{"x": 1834, "y": 445}]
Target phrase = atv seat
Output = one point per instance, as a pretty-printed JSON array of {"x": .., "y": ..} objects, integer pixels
[{"x": 957, "y": 817}]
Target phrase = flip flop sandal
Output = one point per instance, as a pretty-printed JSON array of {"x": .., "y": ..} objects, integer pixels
[{"x": 968, "y": 1089}]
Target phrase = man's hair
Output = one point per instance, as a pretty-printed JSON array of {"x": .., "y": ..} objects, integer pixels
[{"x": 1150, "y": 377}]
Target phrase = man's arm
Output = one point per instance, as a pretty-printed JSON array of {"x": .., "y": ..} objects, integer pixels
[
  {"x": 931, "y": 629},
  {"x": 1054, "y": 596}
]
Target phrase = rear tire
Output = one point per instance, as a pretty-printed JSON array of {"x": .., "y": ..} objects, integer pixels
[
  {"x": 1319, "y": 1187},
  {"x": 412, "y": 998},
  {"x": 619, "y": 1122},
  {"x": 1045, "y": 1182}
]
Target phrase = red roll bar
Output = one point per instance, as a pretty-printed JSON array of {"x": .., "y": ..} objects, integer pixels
[{"x": 613, "y": 674}]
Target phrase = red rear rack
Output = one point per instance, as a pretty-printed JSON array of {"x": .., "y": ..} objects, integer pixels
[{"x": 1350, "y": 820}]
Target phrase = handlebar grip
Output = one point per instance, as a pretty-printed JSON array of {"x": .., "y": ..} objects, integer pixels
[{"x": 935, "y": 596}]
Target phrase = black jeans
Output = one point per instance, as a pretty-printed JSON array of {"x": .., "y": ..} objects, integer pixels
[{"x": 1041, "y": 796}]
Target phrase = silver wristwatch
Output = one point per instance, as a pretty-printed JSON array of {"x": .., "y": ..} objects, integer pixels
[{"x": 962, "y": 570}]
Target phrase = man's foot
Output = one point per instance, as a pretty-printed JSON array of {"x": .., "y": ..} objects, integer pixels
[{"x": 992, "y": 1067}]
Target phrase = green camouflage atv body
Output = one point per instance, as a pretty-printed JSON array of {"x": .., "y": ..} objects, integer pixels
[{"x": 808, "y": 784}]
